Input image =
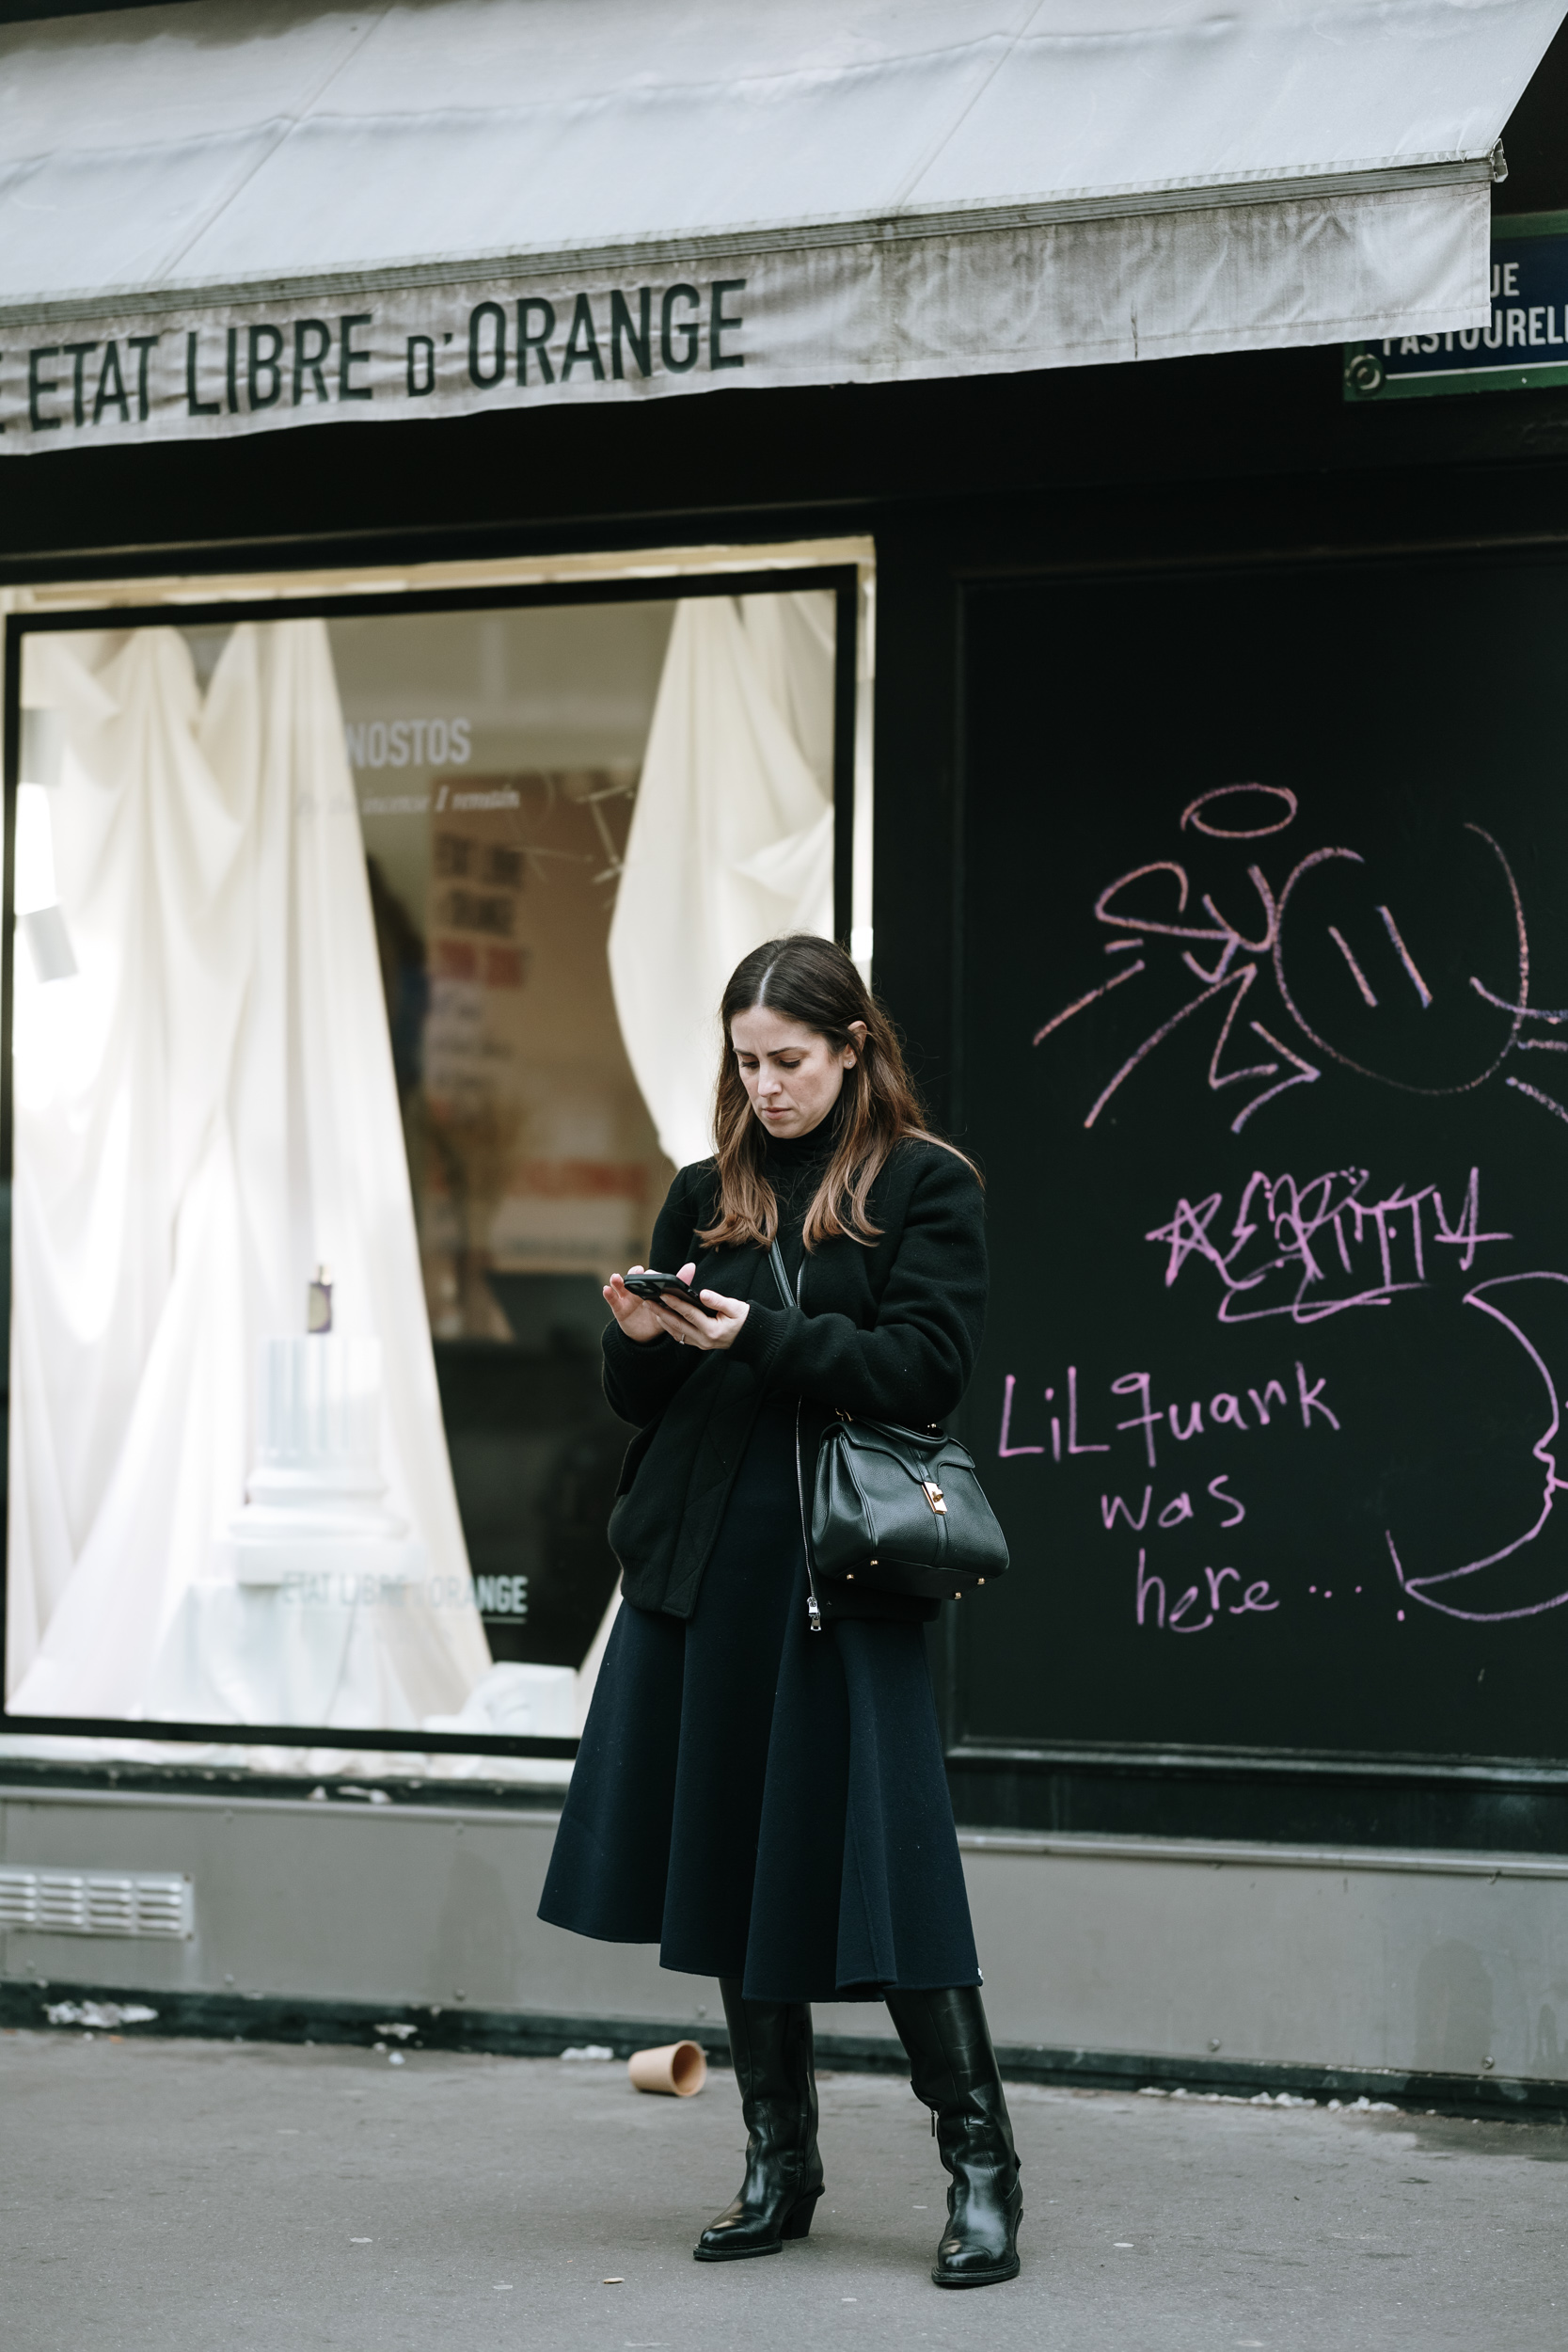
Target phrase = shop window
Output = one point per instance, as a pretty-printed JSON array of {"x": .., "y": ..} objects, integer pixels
[{"x": 364, "y": 989}]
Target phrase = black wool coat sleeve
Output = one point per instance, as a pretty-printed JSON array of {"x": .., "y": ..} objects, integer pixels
[{"x": 890, "y": 1332}]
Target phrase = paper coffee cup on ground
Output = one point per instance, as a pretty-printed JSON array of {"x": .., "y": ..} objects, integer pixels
[{"x": 679, "y": 2070}]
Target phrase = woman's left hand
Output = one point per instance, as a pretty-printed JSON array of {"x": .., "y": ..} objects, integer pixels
[{"x": 708, "y": 1332}]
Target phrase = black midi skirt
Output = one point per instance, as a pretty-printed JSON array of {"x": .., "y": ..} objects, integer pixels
[{"x": 760, "y": 1801}]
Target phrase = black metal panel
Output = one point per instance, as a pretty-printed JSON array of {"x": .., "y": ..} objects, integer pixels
[{"x": 1258, "y": 1798}]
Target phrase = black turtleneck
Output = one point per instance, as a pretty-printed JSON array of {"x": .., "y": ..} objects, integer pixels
[{"x": 795, "y": 1166}]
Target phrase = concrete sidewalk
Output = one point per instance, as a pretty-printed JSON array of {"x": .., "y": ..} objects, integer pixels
[{"x": 202, "y": 2197}]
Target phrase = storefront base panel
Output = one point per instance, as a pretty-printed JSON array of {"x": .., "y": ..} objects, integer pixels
[
  {"x": 1435, "y": 1963},
  {"x": 1436, "y": 1980},
  {"x": 122, "y": 2011}
]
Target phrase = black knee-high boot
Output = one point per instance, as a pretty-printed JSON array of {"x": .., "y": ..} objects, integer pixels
[
  {"x": 953, "y": 2069},
  {"x": 770, "y": 2044}
]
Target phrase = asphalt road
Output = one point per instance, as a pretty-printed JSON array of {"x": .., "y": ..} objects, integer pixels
[{"x": 204, "y": 2197}]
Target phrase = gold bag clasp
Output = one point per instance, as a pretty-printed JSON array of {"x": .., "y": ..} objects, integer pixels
[{"x": 933, "y": 1496}]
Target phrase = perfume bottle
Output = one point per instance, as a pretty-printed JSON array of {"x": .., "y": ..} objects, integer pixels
[{"x": 318, "y": 1301}]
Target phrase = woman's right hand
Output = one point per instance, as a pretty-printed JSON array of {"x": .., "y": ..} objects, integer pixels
[{"x": 635, "y": 1316}]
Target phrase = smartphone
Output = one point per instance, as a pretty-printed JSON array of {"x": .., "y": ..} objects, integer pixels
[{"x": 651, "y": 1285}]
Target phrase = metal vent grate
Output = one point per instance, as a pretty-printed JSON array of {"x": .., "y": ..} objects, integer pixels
[
  {"x": 18, "y": 1899},
  {"x": 95, "y": 1902},
  {"x": 163, "y": 1906}
]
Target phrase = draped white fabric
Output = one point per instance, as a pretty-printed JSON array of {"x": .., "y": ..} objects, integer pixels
[
  {"x": 731, "y": 839},
  {"x": 204, "y": 1112}
]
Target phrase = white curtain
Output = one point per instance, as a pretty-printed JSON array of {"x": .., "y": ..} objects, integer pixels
[
  {"x": 731, "y": 839},
  {"x": 204, "y": 1112}
]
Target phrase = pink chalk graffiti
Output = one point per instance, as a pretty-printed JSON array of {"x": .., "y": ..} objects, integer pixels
[
  {"x": 1316, "y": 1231},
  {"x": 1421, "y": 1587},
  {"x": 1228, "y": 963}
]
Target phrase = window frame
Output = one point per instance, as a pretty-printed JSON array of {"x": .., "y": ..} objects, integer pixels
[{"x": 644, "y": 579}]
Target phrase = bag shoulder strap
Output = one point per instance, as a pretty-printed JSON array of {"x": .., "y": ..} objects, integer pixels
[
  {"x": 813, "y": 1611},
  {"x": 813, "y": 1608},
  {"x": 781, "y": 1275}
]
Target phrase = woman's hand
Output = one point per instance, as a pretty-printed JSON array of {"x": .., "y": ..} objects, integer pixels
[
  {"x": 637, "y": 1317},
  {"x": 644, "y": 1319},
  {"x": 693, "y": 1329}
]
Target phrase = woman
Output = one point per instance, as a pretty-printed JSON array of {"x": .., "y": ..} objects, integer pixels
[{"x": 760, "y": 1786}]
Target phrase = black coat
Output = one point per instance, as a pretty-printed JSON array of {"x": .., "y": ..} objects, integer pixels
[{"x": 888, "y": 1331}]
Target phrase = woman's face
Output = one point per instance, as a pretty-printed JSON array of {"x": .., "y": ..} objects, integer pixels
[{"x": 791, "y": 1074}]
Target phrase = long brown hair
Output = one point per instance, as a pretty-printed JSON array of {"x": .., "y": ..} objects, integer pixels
[{"x": 812, "y": 982}]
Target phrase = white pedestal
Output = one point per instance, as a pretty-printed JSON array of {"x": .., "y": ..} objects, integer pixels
[
  {"x": 316, "y": 1496},
  {"x": 313, "y": 1589}
]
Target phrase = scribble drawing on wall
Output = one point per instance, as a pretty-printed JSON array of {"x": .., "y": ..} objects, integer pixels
[{"x": 1253, "y": 974}]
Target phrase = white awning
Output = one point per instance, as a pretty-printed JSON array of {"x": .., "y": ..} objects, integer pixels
[{"x": 232, "y": 215}]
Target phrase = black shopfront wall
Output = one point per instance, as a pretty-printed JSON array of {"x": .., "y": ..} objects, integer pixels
[
  {"x": 1262, "y": 1039},
  {"x": 1100, "y": 597}
]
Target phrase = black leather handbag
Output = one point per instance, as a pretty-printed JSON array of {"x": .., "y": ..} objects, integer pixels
[{"x": 902, "y": 1510}]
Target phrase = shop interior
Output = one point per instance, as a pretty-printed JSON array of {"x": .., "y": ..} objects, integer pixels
[{"x": 366, "y": 976}]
